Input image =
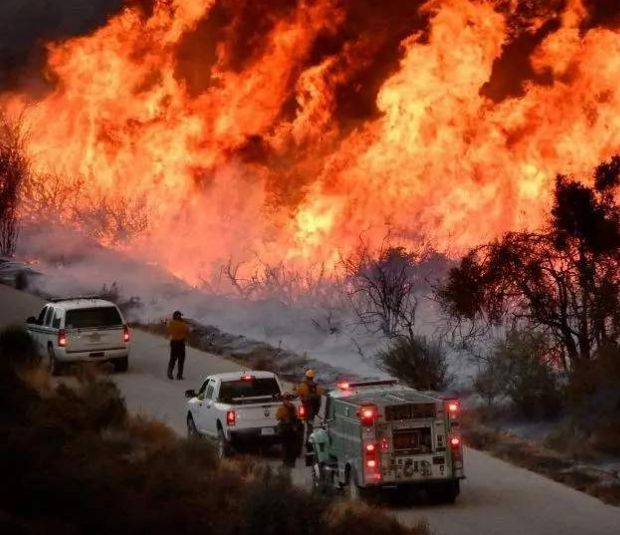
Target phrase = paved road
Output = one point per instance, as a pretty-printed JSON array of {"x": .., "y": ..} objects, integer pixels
[{"x": 496, "y": 499}]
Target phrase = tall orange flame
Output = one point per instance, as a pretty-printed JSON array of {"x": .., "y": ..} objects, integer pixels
[{"x": 226, "y": 171}]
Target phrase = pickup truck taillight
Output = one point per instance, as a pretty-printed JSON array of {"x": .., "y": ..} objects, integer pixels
[
  {"x": 62, "y": 338},
  {"x": 126, "y": 334},
  {"x": 231, "y": 418}
]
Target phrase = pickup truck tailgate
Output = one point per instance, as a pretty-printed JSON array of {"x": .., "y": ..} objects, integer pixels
[{"x": 257, "y": 415}]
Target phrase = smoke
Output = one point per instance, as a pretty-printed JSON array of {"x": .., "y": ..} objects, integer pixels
[{"x": 26, "y": 25}]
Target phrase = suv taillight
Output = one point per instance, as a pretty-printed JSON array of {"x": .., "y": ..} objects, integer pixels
[
  {"x": 231, "y": 418},
  {"x": 126, "y": 334},
  {"x": 62, "y": 338}
]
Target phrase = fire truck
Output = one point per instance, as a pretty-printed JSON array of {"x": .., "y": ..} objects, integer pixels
[{"x": 382, "y": 434}]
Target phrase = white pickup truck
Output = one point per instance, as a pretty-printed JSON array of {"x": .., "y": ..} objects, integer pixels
[{"x": 236, "y": 408}]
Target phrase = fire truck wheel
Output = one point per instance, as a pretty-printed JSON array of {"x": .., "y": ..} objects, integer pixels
[
  {"x": 354, "y": 492},
  {"x": 318, "y": 478},
  {"x": 444, "y": 493}
]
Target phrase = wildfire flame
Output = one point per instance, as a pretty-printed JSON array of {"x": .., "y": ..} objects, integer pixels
[{"x": 243, "y": 155}]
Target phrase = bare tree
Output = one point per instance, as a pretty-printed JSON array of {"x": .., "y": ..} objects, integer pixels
[
  {"x": 14, "y": 170},
  {"x": 382, "y": 289}
]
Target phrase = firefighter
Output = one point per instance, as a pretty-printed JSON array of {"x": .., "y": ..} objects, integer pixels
[
  {"x": 310, "y": 395},
  {"x": 178, "y": 331},
  {"x": 289, "y": 427}
]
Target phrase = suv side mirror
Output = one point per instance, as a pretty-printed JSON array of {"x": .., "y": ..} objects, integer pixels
[
  {"x": 31, "y": 320},
  {"x": 190, "y": 394}
]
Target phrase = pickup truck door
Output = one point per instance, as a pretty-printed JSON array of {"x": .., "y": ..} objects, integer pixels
[{"x": 208, "y": 417}]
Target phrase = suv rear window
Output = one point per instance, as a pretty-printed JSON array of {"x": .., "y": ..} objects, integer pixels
[
  {"x": 246, "y": 389},
  {"x": 84, "y": 318}
]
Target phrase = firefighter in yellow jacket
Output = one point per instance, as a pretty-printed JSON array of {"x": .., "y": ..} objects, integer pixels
[
  {"x": 178, "y": 331},
  {"x": 290, "y": 429},
  {"x": 310, "y": 394}
]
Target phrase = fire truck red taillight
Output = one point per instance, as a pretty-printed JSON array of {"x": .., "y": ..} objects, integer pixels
[
  {"x": 455, "y": 442},
  {"x": 302, "y": 412},
  {"x": 62, "y": 338},
  {"x": 368, "y": 415},
  {"x": 231, "y": 418},
  {"x": 371, "y": 461}
]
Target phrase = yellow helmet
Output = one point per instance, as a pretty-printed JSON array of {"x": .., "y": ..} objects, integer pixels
[{"x": 310, "y": 373}]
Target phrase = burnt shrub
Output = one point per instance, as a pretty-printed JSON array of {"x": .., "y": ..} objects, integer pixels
[{"x": 417, "y": 361}]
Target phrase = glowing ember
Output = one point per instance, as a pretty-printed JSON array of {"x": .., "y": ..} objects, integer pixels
[{"x": 248, "y": 155}]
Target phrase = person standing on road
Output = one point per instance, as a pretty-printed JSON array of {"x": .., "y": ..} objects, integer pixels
[
  {"x": 178, "y": 331},
  {"x": 290, "y": 428},
  {"x": 310, "y": 395}
]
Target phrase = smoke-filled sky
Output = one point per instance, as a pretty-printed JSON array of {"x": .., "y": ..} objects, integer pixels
[
  {"x": 283, "y": 130},
  {"x": 26, "y": 24}
]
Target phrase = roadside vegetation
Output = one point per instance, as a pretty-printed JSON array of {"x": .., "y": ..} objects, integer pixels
[
  {"x": 554, "y": 298},
  {"x": 74, "y": 461}
]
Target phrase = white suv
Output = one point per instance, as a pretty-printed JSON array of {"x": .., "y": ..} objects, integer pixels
[{"x": 81, "y": 329}]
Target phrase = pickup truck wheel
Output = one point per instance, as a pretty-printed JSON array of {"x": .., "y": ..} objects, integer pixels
[
  {"x": 53, "y": 365},
  {"x": 192, "y": 430},
  {"x": 121, "y": 365},
  {"x": 223, "y": 446}
]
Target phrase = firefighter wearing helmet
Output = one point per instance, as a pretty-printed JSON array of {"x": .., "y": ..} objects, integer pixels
[
  {"x": 290, "y": 429},
  {"x": 310, "y": 395}
]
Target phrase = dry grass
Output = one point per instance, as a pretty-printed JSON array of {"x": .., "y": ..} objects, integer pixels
[
  {"x": 347, "y": 518},
  {"x": 149, "y": 431},
  {"x": 536, "y": 457}
]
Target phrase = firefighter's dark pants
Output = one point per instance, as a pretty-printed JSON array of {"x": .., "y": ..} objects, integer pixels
[
  {"x": 290, "y": 446},
  {"x": 177, "y": 354}
]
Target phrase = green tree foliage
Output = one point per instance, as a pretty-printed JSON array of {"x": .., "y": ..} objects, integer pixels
[
  {"x": 519, "y": 368},
  {"x": 563, "y": 282}
]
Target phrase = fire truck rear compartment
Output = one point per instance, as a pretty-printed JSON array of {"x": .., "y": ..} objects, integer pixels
[{"x": 412, "y": 441}]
